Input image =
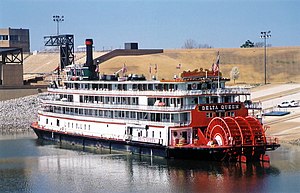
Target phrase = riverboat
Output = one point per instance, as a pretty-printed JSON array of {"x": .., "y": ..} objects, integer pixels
[{"x": 193, "y": 116}]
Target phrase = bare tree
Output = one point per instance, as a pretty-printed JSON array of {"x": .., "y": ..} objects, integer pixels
[
  {"x": 204, "y": 46},
  {"x": 261, "y": 44},
  {"x": 190, "y": 44},
  {"x": 234, "y": 74}
]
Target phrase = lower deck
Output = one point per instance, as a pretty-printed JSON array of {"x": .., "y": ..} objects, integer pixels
[{"x": 182, "y": 151}]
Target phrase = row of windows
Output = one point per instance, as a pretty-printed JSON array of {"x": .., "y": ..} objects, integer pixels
[
  {"x": 140, "y": 133},
  {"x": 11, "y": 37},
  {"x": 109, "y": 100},
  {"x": 71, "y": 125},
  {"x": 131, "y": 115},
  {"x": 147, "y": 87},
  {"x": 220, "y": 114},
  {"x": 80, "y": 126},
  {"x": 175, "y": 102},
  {"x": 3, "y": 37},
  {"x": 142, "y": 87}
]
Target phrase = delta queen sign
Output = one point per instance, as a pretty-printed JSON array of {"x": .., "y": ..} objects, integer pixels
[{"x": 219, "y": 107}]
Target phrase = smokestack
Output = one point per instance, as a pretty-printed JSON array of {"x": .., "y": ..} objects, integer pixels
[
  {"x": 89, "y": 59},
  {"x": 89, "y": 52}
]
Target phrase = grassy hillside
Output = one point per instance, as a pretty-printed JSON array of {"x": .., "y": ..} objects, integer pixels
[{"x": 283, "y": 63}]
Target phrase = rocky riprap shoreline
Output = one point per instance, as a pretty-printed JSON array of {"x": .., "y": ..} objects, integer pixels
[{"x": 16, "y": 115}]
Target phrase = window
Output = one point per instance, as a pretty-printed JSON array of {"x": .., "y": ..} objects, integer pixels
[
  {"x": 152, "y": 133},
  {"x": 209, "y": 115},
  {"x": 47, "y": 121},
  {"x": 57, "y": 122},
  {"x": 230, "y": 114},
  {"x": 3, "y": 37},
  {"x": 14, "y": 37}
]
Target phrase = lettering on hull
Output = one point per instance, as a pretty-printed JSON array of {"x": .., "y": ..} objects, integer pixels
[{"x": 219, "y": 107}]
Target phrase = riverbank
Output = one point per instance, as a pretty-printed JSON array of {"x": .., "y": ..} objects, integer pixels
[{"x": 16, "y": 115}]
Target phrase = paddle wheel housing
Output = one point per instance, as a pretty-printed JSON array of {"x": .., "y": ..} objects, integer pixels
[
  {"x": 244, "y": 135},
  {"x": 235, "y": 131}
]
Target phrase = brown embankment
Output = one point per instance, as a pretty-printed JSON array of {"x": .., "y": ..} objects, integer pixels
[{"x": 283, "y": 63}]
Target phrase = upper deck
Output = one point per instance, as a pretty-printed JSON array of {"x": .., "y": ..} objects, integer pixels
[{"x": 98, "y": 88}]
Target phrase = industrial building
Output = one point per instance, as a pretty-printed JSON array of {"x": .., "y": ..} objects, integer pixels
[{"x": 17, "y": 38}]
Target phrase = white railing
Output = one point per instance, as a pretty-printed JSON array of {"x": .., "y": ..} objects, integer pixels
[
  {"x": 170, "y": 92},
  {"x": 119, "y": 106}
]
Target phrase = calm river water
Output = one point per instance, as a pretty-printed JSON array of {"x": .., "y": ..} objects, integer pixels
[{"x": 27, "y": 165}]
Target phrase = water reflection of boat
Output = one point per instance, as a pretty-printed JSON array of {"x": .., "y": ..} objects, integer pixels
[
  {"x": 202, "y": 176},
  {"x": 136, "y": 172}
]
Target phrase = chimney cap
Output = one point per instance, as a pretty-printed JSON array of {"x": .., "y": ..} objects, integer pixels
[{"x": 89, "y": 42}]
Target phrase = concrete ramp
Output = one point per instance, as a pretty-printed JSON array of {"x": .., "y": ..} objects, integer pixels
[{"x": 122, "y": 52}]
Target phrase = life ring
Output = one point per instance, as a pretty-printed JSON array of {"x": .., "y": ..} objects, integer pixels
[{"x": 194, "y": 86}]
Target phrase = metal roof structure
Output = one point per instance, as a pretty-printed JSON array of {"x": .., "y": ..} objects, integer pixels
[{"x": 10, "y": 55}]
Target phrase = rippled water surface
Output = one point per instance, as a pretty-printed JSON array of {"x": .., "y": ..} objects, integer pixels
[{"x": 28, "y": 165}]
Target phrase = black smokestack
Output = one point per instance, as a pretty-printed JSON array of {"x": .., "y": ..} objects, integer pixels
[
  {"x": 89, "y": 52},
  {"x": 89, "y": 59}
]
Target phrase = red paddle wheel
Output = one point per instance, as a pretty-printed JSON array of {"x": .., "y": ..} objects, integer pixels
[
  {"x": 246, "y": 133},
  {"x": 224, "y": 131},
  {"x": 257, "y": 130}
]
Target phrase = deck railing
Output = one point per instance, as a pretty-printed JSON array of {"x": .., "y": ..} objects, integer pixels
[
  {"x": 171, "y": 92},
  {"x": 119, "y": 106}
]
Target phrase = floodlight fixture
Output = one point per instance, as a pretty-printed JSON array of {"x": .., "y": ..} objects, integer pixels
[
  {"x": 58, "y": 19},
  {"x": 265, "y": 35}
]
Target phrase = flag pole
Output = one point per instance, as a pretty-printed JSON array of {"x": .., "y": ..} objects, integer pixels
[
  {"x": 218, "y": 90},
  {"x": 218, "y": 70}
]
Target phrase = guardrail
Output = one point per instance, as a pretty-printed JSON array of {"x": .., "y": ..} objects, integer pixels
[
  {"x": 237, "y": 91},
  {"x": 119, "y": 106}
]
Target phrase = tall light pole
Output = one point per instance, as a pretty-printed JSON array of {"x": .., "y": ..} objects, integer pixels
[
  {"x": 265, "y": 35},
  {"x": 57, "y": 19}
]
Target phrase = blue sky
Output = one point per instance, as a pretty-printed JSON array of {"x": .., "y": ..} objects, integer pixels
[{"x": 157, "y": 23}]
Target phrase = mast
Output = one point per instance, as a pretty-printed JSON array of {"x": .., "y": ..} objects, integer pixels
[{"x": 218, "y": 68}]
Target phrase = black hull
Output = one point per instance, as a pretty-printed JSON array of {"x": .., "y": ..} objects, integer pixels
[{"x": 199, "y": 153}]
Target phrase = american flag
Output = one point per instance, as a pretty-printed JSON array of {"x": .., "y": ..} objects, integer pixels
[
  {"x": 155, "y": 68},
  {"x": 215, "y": 66},
  {"x": 57, "y": 68},
  {"x": 74, "y": 71},
  {"x": 124, "y": 69}
]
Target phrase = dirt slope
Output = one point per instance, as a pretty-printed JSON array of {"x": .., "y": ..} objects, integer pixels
[{"x": 283, "y": 63}]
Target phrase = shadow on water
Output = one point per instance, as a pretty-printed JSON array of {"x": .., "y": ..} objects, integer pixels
[
  {"x": 231, "y": 168},
  {"x": 44, "y": 166}
]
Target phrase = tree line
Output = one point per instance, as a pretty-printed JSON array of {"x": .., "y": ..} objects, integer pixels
[{"x": 193, "y": 44}]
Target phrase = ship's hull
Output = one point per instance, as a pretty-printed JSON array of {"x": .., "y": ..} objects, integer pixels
[{"x": 226, "y": 153}]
